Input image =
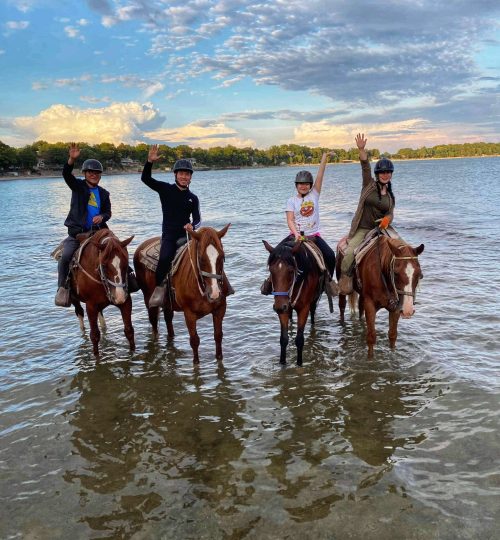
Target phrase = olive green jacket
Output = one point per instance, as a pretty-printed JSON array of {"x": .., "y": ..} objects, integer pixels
[{"x": 369, "y": 185}]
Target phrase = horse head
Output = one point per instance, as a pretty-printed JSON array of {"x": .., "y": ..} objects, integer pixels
[
  {"x": 210, "y": 260},
  {"x": 113, "y": 267},
  {"x": 405, "y": 274},
  {"x": 283, "y": 269}
]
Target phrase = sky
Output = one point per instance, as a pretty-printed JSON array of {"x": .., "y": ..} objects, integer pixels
[{"x": 217, "y": 72}]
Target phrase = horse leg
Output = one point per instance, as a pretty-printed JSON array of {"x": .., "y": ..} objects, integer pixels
[
  {"x": 371, "y": 336},
  {"x": 95, "y": 334},
  {"x": 218, "y": 316},
  {"x": 393, "y": 327},
  {"x": 313, "y": 311},
  {"x": 284, "y": 321},
  {"x": 299, "y": 338},
  {"x": 194, "y": 338},
  {"x": 361, "y": 306},
  {"x": 102, "y": 321},
  {"x": 168, "y": 315},
  {"x": 342, "y": 305},
  {"x": 79, "y": 313},
  {"x": 126, "y": 311},
  {"x": 152, "y": 312}
]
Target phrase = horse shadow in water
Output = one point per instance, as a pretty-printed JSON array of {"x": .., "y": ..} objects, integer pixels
[
  {"x": 386, "y": 277},
  {"x": 198, "y": 286},
  {"x": 99, "y": 278},
  {"x": 298, "y": 283}
]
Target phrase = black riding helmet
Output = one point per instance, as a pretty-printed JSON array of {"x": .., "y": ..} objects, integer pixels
[
  {"x": 304, "y": 177},
  {"x": 384, "y": 165},
  {"x": 92, "y": 165},
  {"x": 183, "y": 165}
]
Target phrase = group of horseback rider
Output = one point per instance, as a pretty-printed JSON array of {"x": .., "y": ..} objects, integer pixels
[{"x": 90, "y": 209}]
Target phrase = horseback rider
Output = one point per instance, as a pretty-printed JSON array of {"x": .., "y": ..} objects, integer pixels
[
  {"x": 302, "y": 215},
  {"x": 181, "y": 213},
  {"x": 376, "y": 206},
  {"x": 90, "y": 209}
]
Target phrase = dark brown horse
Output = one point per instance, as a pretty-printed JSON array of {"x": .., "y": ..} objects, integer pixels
[
  {"x": 197, "y": 287},
  {"x": 386, "y": 277},
  {"x": 100, "y": 278},
  {"x": 297, "y": 285}
]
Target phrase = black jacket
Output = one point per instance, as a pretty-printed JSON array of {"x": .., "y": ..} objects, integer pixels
[{"x": 79, "y": 200}]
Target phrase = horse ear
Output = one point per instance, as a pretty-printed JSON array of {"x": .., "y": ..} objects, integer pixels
[
  {"x": 420, "y": 249},
  {"x": 126, "y": 242},
  {"x": 268, "y": 246},
  {"x": 223, "y": 231},
  {"x": 194, "y": 234}
]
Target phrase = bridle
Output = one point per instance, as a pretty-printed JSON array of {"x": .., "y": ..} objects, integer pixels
[
  {"x": 200, "y": 274},
  {"x": 296, "y": 275}
]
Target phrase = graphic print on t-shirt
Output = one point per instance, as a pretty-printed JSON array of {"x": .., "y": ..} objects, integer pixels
[{"x": 307, "y": 208}]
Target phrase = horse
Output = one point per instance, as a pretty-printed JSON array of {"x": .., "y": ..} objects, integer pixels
[
  {"x": 99, "y": 278},
  {"x": 298, "y": 283},
  {"x": 196, "y": 286},
  {"x": 387, "y": 277}
]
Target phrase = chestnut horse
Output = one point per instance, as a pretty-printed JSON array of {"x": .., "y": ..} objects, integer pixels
[
  {"x": 297, "y": 285},
  {"x": 387, "y": 277},
  {"x": 100, "y": 278},
  {"x": 197, "y": 287}
]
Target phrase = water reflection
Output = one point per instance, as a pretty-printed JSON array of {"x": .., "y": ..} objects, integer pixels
[{"x": 152, "y": 442}]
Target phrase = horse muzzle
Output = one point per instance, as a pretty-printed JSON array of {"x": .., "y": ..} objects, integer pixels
[{"x": 283, "y": 308}]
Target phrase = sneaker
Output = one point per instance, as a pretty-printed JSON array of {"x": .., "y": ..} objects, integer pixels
[
  {"x": 345, "y": 285},
  {"x": 133, "y": 286},
  {"x": 158, "y": 297},
  {"x": 333, "y": 288},
  {"x": 267, "y": 287},
  {"x": 62, "y": 298}
]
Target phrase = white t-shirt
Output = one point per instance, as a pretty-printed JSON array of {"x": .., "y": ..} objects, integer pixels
[{"x": 306, "y": 212}]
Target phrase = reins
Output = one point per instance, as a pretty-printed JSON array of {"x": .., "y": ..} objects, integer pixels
[
  {"x": 198, "y": 272},
  {"x": 296, "y": 274}
]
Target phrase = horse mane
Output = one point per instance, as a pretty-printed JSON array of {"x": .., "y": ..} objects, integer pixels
[
  {"x": 386, "y": 252},
  {"x": 283, "y": 252},
  {"x": 106, "y": 238}
]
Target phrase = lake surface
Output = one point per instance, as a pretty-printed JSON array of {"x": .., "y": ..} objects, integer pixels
[{"x": 145, "y": 446}]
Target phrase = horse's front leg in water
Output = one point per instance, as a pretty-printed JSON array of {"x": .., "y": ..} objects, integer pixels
[
  {"x": 284, "y": 321},
  {"x": 168, "y": 315},
  {"x": 126, "y": 311},
  {"x": 299, "y": 338},
  {"x": 194, "y": 338},
  {"x": 393, "y": 327},
  {"x": 95, "y": 334},
  {"x": 371, "y": 336},
  {"x": 218, "y": 316}
]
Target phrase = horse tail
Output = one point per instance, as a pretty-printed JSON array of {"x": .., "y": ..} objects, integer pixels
[{"x": 353, "y": 302}]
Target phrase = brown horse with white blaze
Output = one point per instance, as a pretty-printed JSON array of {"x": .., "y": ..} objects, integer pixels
[
  {"x": 100, "y": 279},
  {"x": 297, "y": 285},
  {"x": 387, "y": 277},
  {"x": 198, "y": 287}
]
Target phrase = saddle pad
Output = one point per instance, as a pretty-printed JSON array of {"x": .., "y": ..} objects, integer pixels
[
  {"x": 150, "y": 254},
  {"x": 316, "y": 252},
  {"x": 370, "y": 241}
]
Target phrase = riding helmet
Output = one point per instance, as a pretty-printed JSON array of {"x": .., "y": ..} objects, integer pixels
[
  {"x": 183, "y": 165},
  {"x": 384, "y": 165},
  {"x": 304, "y": 177},
  {"x": 92, "y": 165}
]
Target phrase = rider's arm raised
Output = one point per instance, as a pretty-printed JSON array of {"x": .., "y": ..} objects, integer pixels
[
  {"x": 318, "y": 183},
  {"x": 67, "y": 172},
  {"x": 366, "y": 171},
  {"x": 148, "y": 168}
]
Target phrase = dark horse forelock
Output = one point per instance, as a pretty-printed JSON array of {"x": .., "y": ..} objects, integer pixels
[{"x": 283, "y": 252}]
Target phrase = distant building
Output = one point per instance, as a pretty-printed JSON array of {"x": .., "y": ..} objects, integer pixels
[{"x": 128, "y": 162}]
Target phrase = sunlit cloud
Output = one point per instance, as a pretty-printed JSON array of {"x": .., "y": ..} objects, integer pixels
[
  {"x": 17, "y": 25},
  {"x": 119, "y": 122},
  {"x": 204, "y": 136}
]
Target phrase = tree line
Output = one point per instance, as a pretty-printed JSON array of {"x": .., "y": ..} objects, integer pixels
[{"x": 42, "y": 154}]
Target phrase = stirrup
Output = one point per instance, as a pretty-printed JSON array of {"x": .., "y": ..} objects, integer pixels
[
  {"x": 158, "y": 297},
  {"x": 332, "y": 287},
  {"x": 133, "y": 286}
]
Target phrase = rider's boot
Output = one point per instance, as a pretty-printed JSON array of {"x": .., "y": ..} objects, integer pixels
[
  {"x": 62, "y": 298},
  {"x": 133, "y": 286},
  {"x": 267, "y": 287},
  {"x": 158, "y": 297},
  {"x": 333, "y": 288}
]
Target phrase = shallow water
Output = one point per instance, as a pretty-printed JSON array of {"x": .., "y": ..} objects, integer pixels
[{"x": 144, "y": 445}]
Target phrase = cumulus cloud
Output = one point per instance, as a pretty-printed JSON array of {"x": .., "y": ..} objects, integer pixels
[
  {"x": 17, "y": 25},
  {"x": 200, "y": 134},
  {"x": 119, "y": 122}
]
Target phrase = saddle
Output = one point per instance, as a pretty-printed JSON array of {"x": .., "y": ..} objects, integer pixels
[{"x": 150, "y": 254}]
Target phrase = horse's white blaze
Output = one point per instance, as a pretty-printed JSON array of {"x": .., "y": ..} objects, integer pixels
[
  {"x": 212, "y": 255},
  {"x": 408, "y": 309},
  {"x": 120, "y": 296}
]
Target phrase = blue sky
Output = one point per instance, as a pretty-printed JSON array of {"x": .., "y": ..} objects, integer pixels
[{"x": 210, "y": 72}]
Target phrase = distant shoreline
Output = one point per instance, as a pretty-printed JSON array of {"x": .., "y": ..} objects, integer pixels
[{"x": 58, "y": 174}]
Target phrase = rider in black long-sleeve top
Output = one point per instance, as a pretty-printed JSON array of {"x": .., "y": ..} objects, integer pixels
[{"x": 181, "y": 213}]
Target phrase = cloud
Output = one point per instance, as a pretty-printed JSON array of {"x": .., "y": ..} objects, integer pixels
[
  {"x": 200, "y": 134},
  {"x": 119, "y": 122},
  {"x": 73, "y": 32},
  {"x": 17, "y": 25}
]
